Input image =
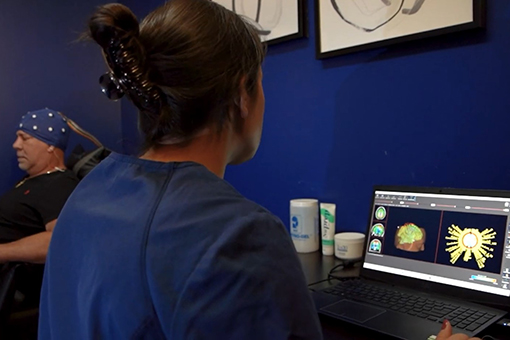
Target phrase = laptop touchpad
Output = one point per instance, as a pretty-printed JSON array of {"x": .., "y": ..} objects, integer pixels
[{"x": 352, "y": 310}]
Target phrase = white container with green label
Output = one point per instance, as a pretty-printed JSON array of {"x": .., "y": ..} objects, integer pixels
[{"x": 328, "y": 211}]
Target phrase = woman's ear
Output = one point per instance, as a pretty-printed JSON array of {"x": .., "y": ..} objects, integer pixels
[{"x": 244, "y": 98}]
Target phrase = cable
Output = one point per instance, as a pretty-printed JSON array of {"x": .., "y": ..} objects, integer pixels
[
  {"x": 79, "y": 130},
  {"x": 337, "y": 266},
  {"x": 344, "y": 264},
  {"x": 314, "y": 283},
  {"x": 489, "y": 337}
]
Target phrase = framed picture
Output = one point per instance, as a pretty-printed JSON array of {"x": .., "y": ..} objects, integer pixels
[
  {"x": 346, "y": 26},
  {"x": 277, "y": 20}
]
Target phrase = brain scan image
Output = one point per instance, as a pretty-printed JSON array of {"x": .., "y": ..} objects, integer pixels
[
  {"x": 470, "y": 242},
  {"x": 375, "y": 246},
  {"x": 380, "y": 213},
  {"x": 378, "y": 230},
  {"x": 410, "y": 237}
]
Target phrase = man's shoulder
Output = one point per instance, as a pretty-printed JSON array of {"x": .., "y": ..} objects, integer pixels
[{"x": 62, "y": 178}]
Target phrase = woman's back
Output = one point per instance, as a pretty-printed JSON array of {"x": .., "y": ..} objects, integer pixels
[{"x": 169, "y": 250}]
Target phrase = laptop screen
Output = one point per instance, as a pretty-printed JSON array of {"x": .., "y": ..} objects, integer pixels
[{"x": 456, "y": 240}]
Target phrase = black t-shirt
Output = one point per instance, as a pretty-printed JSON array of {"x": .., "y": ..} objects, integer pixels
[{"x": 26, "y": 209}]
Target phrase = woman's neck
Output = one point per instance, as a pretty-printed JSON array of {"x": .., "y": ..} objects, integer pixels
[{"x": 210, "y": 150}]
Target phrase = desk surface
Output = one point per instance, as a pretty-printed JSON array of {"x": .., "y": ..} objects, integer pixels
[{"x": 316, "y": 268}]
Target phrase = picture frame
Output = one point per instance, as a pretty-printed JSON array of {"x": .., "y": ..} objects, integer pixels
[
  {"x": 277, "y": 20},
  {"x": 368, "y": 24}
]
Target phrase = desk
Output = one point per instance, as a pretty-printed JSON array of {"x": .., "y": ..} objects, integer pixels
[{"x": 316, "y": 268}]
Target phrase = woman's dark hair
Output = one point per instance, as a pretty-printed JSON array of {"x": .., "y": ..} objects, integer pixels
[{"x": 182, "y": 66}]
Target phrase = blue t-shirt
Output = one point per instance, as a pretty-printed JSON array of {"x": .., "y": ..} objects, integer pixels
[{"x": 149, "y": 250}]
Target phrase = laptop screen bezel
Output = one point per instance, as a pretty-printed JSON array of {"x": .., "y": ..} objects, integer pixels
[{"x": 487, "y": 299}]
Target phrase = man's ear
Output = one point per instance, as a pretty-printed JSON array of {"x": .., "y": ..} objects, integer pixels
[{"x": 51, "y": 148}]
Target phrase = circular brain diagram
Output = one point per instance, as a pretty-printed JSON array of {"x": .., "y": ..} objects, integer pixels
[{"x": 470, "y": 242}]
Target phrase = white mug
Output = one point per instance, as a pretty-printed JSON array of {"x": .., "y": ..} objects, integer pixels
[
  {"x": 304, "y": 224},
  {"x": 349, "y": 246}
]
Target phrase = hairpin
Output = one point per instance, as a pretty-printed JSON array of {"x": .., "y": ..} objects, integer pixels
[{"x": 125, "y": 77}]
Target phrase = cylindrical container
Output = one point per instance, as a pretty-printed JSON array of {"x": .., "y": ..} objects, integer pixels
[
  {"x": 328, "y": 228},
  {"x": 304, "y": 224},
  {"x": 349, "y": 246}
]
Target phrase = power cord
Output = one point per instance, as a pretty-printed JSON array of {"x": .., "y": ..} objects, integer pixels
[
  {"x": 344, "y": 264},
  {"x": 314, "y": 283}
]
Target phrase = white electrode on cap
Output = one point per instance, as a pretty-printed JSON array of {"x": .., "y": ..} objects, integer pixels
[{"x": 328, "y": 211}]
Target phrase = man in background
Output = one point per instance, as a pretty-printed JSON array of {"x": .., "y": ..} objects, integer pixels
[{"x": 29, "y": 211}]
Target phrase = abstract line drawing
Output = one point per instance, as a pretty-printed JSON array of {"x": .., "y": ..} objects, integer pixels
[
  {"x": 370, "y": 15},
  {"x": 275, "y": 20},
  {"x": 470, "y": 241},
  {"x": 346, "y": 26},
  {"x": 415, "y": 8},
  {"x": 265, "y": 14}
]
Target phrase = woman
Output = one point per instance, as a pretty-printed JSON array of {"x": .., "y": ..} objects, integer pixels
[{"x": 161, "y": 246}]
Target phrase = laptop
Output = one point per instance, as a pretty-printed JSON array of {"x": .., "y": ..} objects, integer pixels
[{"x": 430, "y": 254}]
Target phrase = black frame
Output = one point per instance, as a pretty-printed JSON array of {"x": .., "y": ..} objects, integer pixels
[
  {"x": 302, "y": 25},
  {"x": 496, "y": 301},
  {"x": 479, "y": 20}
]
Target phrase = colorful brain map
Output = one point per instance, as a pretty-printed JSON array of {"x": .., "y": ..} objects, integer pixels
[
  {"x": 378, "y": 230},
  {"x": 375, "y": 246},
  {"x": 410, "y": 237},
  {"x": 380, "y": 213}
]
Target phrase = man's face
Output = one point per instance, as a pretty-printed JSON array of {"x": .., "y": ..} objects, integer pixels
[{"x": 33, "y": 154}]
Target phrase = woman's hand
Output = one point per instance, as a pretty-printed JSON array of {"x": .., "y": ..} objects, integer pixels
[{"x": 446, "y": 333}]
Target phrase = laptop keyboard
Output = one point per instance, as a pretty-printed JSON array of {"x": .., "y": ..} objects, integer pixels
[{"x": 415, "y": 305}]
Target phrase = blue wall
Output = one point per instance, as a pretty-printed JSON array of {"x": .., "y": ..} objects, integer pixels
[
  {"x": 42, "y": 65},
  {"x": 429, "y": 113}
]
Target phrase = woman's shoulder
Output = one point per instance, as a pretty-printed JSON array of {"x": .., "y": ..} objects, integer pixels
[
  {"x": 214, "y": 196},
  {"x": 196, "y": 198}
]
